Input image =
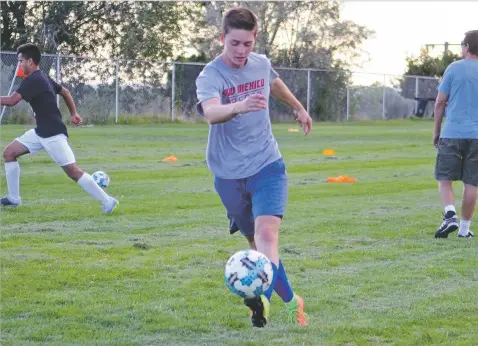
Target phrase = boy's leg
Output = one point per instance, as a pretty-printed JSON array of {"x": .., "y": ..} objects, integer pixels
[
  {"x": 470, "y": 180},
  {"x": 269, "y": 198},
  {"x": 27, "y": 143},
  {"x": 268, "y": 189},
  {"x": 238, "y": 206},
  {"x": 60, "y": 151},
  {"x": 467, "y": 210},
  {"x": 239, "y": 211},
  {"x": 448, "y": 168}
]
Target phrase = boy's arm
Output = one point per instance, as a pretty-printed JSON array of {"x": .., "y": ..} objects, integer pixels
[
  {"x": 444, "y": 89},
  {"x": 26, "y": 91},
  {"x": 210, "y": 105},
  {"x": 217, "y": 113},
  {"x": 70, "y": 103},
  {"x": 281, "y": 92},
  {"x": 11, "y": 100},
  {"x": 440, "y": 105}
]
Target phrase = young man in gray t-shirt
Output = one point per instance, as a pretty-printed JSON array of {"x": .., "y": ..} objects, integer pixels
[
  {"x": 249, "y": 173},
  {"x": 457, "y": 141}
]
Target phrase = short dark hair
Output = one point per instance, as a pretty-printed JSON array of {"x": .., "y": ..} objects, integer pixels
[
  {"x": 471, "y": 40},
  {"x": 239, "y": 18},
  {"x": 30, "y": 51}
]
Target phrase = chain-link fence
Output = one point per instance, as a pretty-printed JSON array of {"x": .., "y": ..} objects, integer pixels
[{"x": 125, "y": 91}]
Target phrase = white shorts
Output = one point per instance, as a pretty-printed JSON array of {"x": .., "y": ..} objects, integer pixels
[{"x": 57, "y": 146}]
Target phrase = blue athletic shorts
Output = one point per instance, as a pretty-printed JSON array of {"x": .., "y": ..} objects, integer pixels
[{"x": 264, "y": 193}]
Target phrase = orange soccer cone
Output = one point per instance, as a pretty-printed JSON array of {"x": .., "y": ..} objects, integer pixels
[
  {"x": 329, "y": 152},
  {"x": 20, "y": 73},
  {"x": 293, "y": 130},
  {"x": 341, "y": 179},
  {"x": 171, "y": 158}
]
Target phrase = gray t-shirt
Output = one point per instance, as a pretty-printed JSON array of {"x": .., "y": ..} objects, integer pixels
[
  {"x": 244, "y": 145},
  {"x": 460, "y": 83}
]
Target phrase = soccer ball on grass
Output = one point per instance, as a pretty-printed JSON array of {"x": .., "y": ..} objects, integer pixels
[
  {"x": 101, "y": 178},
  {"x": 248, "y": 273}
]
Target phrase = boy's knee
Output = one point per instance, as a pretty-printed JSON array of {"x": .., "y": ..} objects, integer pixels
[
  {"x": 73, "y": 171},
  {"x": 267, "y": 227}
]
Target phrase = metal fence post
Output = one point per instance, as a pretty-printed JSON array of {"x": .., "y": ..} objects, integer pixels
[
  {"x": 58, "y": 77},
  {"x": 416, "y": 94},
  {"x": 348, "y": 100},
  {"x": 416, "y": 87},
  {"x": 173, "y": 93},
  {"x": 308, "y": 92},
  {"x": 116, "y": 90},
  {"x": 384, "y": 117},
  {"x": 10, "y": 90}
]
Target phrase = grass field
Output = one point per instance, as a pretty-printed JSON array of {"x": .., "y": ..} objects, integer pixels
[{"x": 362, "y": 255}]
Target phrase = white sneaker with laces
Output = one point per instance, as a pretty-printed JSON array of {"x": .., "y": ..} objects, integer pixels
[{"x": 110, "y": 206}]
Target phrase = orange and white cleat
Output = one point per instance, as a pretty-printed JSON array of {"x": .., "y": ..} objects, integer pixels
[{"x": 296, "y": 311}]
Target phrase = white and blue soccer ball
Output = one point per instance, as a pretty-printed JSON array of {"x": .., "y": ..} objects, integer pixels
[
  {"x": 248, "y": 273},
  {"x": 101, "y": 178}
]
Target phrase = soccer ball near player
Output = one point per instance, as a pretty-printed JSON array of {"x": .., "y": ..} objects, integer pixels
[
  {"x": 248, "y": 273},
  {"x": 101, "y": 178}
]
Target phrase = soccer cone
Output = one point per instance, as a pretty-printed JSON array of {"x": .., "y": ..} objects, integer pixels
[
  {"x": 20, "y": 73},
  {"x": 341, "y": 179},
  {"x": 171, "y": 158}
]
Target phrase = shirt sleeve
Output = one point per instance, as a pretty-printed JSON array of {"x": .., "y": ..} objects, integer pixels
[
  {"x": 274, "y": 74},
  {"x": 56, "y": 87},
  {"x": 207, "y": 87},
  {"x": 28, "y": 89},
  {"x": 445, "y": 85}
]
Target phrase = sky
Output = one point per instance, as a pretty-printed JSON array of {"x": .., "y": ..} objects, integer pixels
[{"x": 402, "y": 28}]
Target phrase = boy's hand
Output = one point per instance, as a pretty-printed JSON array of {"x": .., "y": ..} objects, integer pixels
[
  {"x": 252, "y": 103},
  {"x": 304, "y": 120},
  {"x": 76, "y": 119}
]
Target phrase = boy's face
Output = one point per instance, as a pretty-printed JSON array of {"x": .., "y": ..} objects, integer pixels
[
  {"x": 238, "y": 43},
  {"x": 464, "y": 49},
  {"x": 26, "y": 64}
]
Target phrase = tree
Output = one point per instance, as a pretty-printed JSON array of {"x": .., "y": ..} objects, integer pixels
[
  {"x": 302, "y": 34},
  {"x": 144, "y": 30},
  {"x": 67, "y": 27},
  {"x": 127, "y": 30},
  {"x": 291, "y": 33},
  {"x": 426, "y": 65},
  {"x": 13, "y": 24}
]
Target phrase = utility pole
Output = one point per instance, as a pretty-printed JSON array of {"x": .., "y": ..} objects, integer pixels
[{"x": 446, "y": 45}]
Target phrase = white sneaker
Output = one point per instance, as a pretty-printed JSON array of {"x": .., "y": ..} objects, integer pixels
[
  {"x": 9, "y": 202},
  {"x": 110, "y": 206},
  {"x": 468, "y": 235}
]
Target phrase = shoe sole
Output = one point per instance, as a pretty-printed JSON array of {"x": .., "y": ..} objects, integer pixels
[
  {"x": 301, "y": 308},
  {"x": 251, "y": 304},
  {"x": 10, "y": 205},
  {"x": 112, "y": 209},
  {"x": 450, "y": 229},
  {"x": 466, "y": 236}
]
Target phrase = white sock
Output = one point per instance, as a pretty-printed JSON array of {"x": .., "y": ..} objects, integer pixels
[
  {"x": 89, "y": 185},
  {"x": 12, "y": 173},
  {"x": 464, "y": 227},
  {"x": 450, "y": 207}
]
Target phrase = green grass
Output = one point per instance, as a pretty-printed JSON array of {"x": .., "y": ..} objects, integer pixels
[{"x": 362, "y": 255}]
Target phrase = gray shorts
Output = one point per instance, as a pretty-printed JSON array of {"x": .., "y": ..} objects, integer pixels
[{"x": 457, "y": 159}]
